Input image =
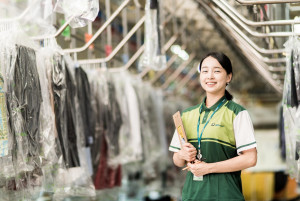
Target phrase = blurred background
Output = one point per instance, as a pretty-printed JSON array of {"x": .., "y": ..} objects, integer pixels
[{"x": 133, "y": 64}]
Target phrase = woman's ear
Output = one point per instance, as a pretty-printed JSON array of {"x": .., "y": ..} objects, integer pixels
[{"x": 229, "y": 77}]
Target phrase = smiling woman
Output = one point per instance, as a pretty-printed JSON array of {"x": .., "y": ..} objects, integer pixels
[{"x": 226, "y": 142}]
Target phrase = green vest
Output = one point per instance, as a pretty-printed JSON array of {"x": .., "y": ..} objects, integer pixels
[{"x": 217, "y": 144}]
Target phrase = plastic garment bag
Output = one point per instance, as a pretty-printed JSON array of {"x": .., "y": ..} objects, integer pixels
[
  {"x": 85, "y": 107},
  {"x": 78, "y": 175},
  {"x": 20, "y": 165},
  {"x": 291, "y": 109},
  {"x": 153, "y": 135},
  {"x": 82, "y": 11},
  {"x": 108, "y": 122},
  {"x": 153, "y": 56},
  {"x": 51, "y": 154},
  {"x": 99, "y": 102},
  {"x": 130, "y": 131}
]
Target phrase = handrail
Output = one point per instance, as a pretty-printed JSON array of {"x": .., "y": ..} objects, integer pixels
[
  {"x": 177, "y": 72},
  {"x": 255, "y": 24},
  {"x": 100, "y": 30},
  {"x": 135, "y": 57},
  {"x": 255, "y": 2},
  {"x": 253, "y": 33},
  {"x": 246, "y": 38},
  {"x": 245, "y": 49},
  {"x": 119, "y": 46}
]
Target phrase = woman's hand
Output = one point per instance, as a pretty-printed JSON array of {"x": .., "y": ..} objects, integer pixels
[
  {"x": 199, "y": 168},
  {"x": 188, "y": 152}
]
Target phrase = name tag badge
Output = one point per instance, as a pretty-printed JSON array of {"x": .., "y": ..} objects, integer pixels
[{"x": 195, "y": 178}]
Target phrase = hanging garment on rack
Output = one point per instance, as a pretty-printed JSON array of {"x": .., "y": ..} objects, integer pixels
[
  {"x": 59, "y": 96},
  {"x": 114, "y": 122},
  {"x": 71, "y": 119},
  {"x": 152, "y": 141},
  {"x": 100, "y": 101},
  {"x": 130, "y": 132},
  {"x": 25, "y": 96},
  {"x": 291, "y": 109},
  {"x": 64, "y": 93},
  {"x": 23, "y": 100},
  {"x": 85, "y": 105},
  {"x": 50, "y": 153}
]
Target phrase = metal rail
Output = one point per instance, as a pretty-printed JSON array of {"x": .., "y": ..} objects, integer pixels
[
  {"x": 255, "y": 2},
  {"x": 119, "y": 46},
  {"x": 253, "y": 33},
  {"x": 100, "y": 30},
  {"x": 250, "y": 53},
  {"x": 256, "y": 24},
  {"x": 246, "y": 38}
]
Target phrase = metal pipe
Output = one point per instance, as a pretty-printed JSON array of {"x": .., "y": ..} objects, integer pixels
[
  {"x": 132, "y": 59},
  {"x": 255, "y": 24},
  {"x": 101, "y": 29},
  {"x": 136, "y": 55},
  {"x": 246, "y": 38},
  {"x": 253, "y": 33},
  {"x": 177, "y": 72},
  {"x": 107, "y": 11},
  {"x": 255, "y": 2},
  {"x": 119, "y": 46},
  {"x": 125, "y": 29},
  {"x": 276, "y": 69}
]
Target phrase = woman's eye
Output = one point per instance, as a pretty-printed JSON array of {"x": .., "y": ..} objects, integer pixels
[
  {"x": 204, "y": 71},
  {"x": 217, "y": 71}
]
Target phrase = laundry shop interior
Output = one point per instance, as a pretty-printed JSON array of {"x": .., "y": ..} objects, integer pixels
[{"x": 88, "y": 90}]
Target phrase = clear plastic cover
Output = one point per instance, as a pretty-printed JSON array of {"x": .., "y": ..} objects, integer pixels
[
  {"x": 130, "y": 131},
  {"x": 154, "y": 55},
  {"x": 82, "y": 11},
  {"x": 291, "y": 109}
]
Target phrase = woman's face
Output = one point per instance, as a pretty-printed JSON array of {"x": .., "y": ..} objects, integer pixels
[{"x": 213, "y": 77}]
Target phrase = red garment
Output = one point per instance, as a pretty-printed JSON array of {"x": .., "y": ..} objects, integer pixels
[{"x": 106, "y": 177}]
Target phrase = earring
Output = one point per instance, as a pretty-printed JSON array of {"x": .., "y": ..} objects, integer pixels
[{"x": 227, "y": 83}]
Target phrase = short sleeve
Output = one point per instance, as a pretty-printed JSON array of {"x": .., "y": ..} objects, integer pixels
[
  {"x": 175, "y": 143},
  {"x": 244, "y": 132}
]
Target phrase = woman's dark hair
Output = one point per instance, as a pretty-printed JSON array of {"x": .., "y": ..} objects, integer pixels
[{"x": 225, "y": 63}]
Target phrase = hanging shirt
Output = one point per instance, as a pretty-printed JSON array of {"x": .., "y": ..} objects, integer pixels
[{"x": 228, "y": 133}]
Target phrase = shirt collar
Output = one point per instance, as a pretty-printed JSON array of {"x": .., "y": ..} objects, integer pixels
[{"x": 215, "y": 105}]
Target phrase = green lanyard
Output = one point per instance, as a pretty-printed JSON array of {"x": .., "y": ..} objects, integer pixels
[{"x": 200, "y": 110}]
